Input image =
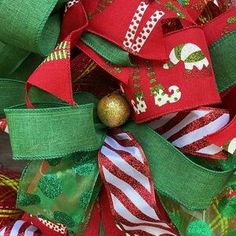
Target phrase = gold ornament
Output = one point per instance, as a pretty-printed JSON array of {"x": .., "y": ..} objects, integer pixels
[{"x": 113, "y": 110}]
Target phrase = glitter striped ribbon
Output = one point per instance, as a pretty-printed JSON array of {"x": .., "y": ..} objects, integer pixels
[
  {"x": 20, "y": 228},
  {"x": 226, "y": 138},
  {"x": 188, "y": 130},
  {"x": 3, "y": 125},
  {"x": 125, "y": 172}
]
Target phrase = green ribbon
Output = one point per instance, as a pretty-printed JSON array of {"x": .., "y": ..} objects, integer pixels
[
  {"x": 51, "y": 132},
  {"x": 114, "y": 55},
  {"x": 29, "y": 25},
  {"x": 175, "y": 175},
  {"x": 12, "y": 92},
  {"x": 11, "y": 58},
  {"x": 223, "y": 58}
]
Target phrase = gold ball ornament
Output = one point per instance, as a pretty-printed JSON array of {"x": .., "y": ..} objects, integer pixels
[{"x": 113, "y": 110}]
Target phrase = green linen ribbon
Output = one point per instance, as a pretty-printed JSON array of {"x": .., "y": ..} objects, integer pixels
[
  {"x": 175, "y": 175},
  {"x": 223, "y": 58},
  {"x": 114, "y": 55},
  {"x": 66, "y": 129},
  {"x": 11, "y": 58},
  {"x": 29, "y": 25}
]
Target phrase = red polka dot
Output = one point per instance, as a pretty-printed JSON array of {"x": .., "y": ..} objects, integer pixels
[
  {"x": 150, "y": 26},
  {"x": 155, "y": 19},
  {"x": 148, "y": 31},
  {"x": 144, "y": 37},
  {"x": 140, "y": 40},
  {"x": 139, "y": 46},
  {"x": 137, "y": 21}
]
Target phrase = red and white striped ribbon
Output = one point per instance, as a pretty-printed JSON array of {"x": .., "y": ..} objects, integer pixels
[
  {"x": 188, "y": 130},
  {"x": 226, "y": 138},
  {"x": 3, "y": 125},
  {"x": 20, "y": 228},
  {"x": 125, "y": 172}
]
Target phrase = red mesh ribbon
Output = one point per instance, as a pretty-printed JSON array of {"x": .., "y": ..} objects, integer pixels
[{"x": 126, "y": 175}]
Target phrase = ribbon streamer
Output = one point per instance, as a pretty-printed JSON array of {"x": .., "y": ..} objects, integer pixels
[
  {"x": 20, "y": 228},
  {"x": 124, "y": 170},
  {"x": 188, "y": 130}
]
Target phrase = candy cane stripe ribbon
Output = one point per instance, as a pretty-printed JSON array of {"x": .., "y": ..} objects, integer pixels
[
  {"x": 3, "y": 125},
  {"x": 188, "y": 130},
  {"x": 20, "y": 228},
  {"x": 226, "y": 138},
  {"x": 125, "y": 172}
]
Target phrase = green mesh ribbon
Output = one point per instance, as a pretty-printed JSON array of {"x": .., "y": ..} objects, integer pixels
[
  {"x": 209, "y": 222},
  {"x": 170, "y": 169},
  {"x": 54, "y": 130},
  {"x": 29, "y": 25},
  {"x": 223, "y": 57},
  {"x": 62, "y": 190},
  {"x": 114, "y": 55}
]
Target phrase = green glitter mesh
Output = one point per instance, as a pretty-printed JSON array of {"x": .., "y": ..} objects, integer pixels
[
  {"x": 84, "y": 169},
  {"x": 50, "y": 186},
  {"x": 27, "y": 199},
  {"x": 227, "y": 207},
  {"x": 85, "y": 199},
  {"x": 198, "y": 228},
  {"x": 63, "y": 218}
]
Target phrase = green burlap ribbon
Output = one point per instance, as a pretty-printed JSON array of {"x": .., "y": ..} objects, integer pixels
[
  {"x": 29, "y": 25},
  {"x": 223, "y": 56},
  {"x": 26, "y": 27},
  {"x": 175, "y": 175},
  {"x": 52, "y": 132},
  {"x": 106, "y": 49}
]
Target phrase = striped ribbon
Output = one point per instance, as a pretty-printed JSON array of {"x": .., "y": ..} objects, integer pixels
[
  {"x": 125, "y": 172},
  {"x": 3, "y": 125},
  {"x": 188, "y": 130},
  {"x": 20, "y": 228},
  {"x": 226, "y": 138}
]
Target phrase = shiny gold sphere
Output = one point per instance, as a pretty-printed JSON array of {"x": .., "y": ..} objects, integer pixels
[{"x": 113, "y": 110}]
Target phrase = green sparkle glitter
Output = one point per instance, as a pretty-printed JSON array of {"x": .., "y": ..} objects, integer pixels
[
  {"x": 63, "y": 218},
  {"x": 27, "y": 199},
  {"x": 50, "y": 186},
  {"x": 85, "y": 199},
  {"x": 227, "y": 207},
  {"x": 54, "y": 162},
  {"x": 231, "y": 20},
  {"x": 84, "y": 169},
  {"x": 198, "y": 228},
  {"x": 194, "y": 57}
]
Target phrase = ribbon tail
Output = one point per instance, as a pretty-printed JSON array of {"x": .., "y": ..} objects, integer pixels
[
  {"x": 125, "y": 172},
  {"x": 55, "y": 69}
]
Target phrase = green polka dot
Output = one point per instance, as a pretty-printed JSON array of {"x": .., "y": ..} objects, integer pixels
[
  {"x": 85, "y": 199},
  {"x": 54, "y": 162},
  {"x": 50, "y": 186},
  {"x": 27, "y": 199},
  {"x": 84, "y": 169},
  {"x": 63, "y": 218},
  {"x": 198, "y": 228}
]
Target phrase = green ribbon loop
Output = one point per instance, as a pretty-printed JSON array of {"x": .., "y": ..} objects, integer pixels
[
  {"x": 54, "y": 130},
  {"x": 11, "y": 58},
  {"x": 175, "y": 175},
  {"x": 223, "y": 57},
  {"x": 12, "y": 92},
  {"x": 30, "y": 25},
  {"x": 114, "y": 55}
]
